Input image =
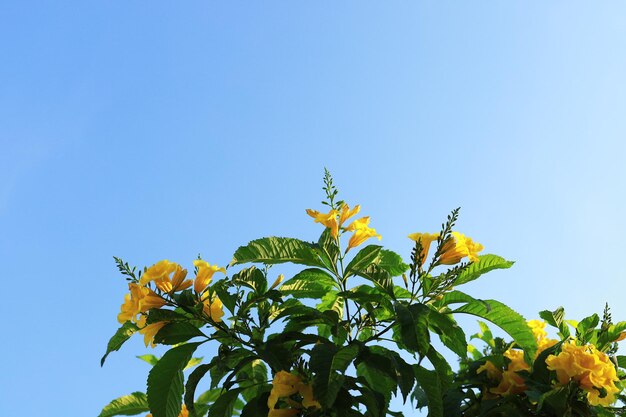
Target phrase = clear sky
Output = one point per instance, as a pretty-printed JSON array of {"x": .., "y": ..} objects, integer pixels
[{"x": 159, "y": 129}]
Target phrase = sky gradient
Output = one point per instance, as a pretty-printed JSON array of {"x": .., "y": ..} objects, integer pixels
[{"x": 153, "y": 130}]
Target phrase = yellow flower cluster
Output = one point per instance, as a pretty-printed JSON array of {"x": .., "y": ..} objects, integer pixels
[
  {"x": 335, "y": 219},
  {"x": 284, "y": 386},
  {"x": 168, "y": 277},
  {"x": 455, "y": 249},
  {"x": 589, "y": 367},
  {"x": 509, "y": 381}
]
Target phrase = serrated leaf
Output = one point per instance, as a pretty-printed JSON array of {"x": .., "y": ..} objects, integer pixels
[
  {"x": 485, "y": 264},
  {"x": 121, "y": 335},
  {"x": 365, "y": 257},
  {"x": 165, "y": 381},
  {"x": 257, "y": 406},
  {"x": 328, "y": 365},
  {"x": 192, "y": 384},
  {"x": 413, "y": 326},
  {"x": 449, "y": 332},
  {"x": 128, "y": 405},
  {"x": 310, "y": 283},
  {"x": 392, "y": 263},
  {"x": 331, "y": 301},
  {"x": 505, "y": 318},
  {"x": 225, "y": 404},
  {"x": 431, "y": 385},
  {"x": 276, "y": 250}
]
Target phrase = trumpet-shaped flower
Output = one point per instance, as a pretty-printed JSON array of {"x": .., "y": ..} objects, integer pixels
[
  {"x": 327, "y": 219},
  {"x": 347, "y": 213},
  {"x": 362, "y": 232},
  {"x": 159, "y": 270},
  {"x": 150, "y": 301},
  {"x": 213, "y": 307},
  {"x": 276, "y": 283},
  {"x": 426, "y": 239},
  {"x": 591, "y": 368},
  {"x": 458, "y": 247},
  {"x": 176, "y": 283},
  {"x": 132, "y": 303},
  {"x": 150, "y": 330},
  {"x": 205, "y": 274}
]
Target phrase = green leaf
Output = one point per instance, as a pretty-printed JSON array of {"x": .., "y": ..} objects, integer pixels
[
  {"x": 585, "y": 330},
  {"x": 413, "y": 326},
  {"x": 331, "y": 301},
  {"x": 621, "y": 361},
  {"x": 176, "y": 332},
  {"x": 221, "y": 289},
  {"x": 255, "y": 373},
  {"x": 310, "y": 283},
  {"x": 252, "y": 278},
  {"x": 328, "y": 364},
  {"x": 556, "y": 319},
  {"x": 158, "y": 314},
  {"x": 151, "y": 359},
  {"x": 328, "y": 250},
  {"x": 276, "y": 250},
  {"x": 366, "y": 256},
  {"x": 377, "y": 379},
  {"x": 121, "y": 335},
  {"x": 392, "y": 263},
  {"x": 165, "y": 381},
  {"x": 505, "y": 318},
  {"x": 450, "y": 333},
  {"x": 431, "y": 385},
  {"x": 257, "y": 406},
  {"x": 442, "y": 367},
  {"x": 128, "y": 405},
  {"x": 192, "y": 384},
  {"x": 454, "y": 297},
  {"x": 225, "y": 404},
  {"x": 485, "y": 264}
]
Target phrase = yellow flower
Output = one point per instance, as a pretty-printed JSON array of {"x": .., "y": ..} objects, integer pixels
[
  {"x": 458, "y": 247},
  {"x": 346, "y": 213},
  {"x": 284, "y": 386},
  {"x": 511, "y": 383},
  {"x": 362, "y": 232},
  {"x": 538, "y": 328},
  {"x": 150, "y": 331},
  {"x": 151, "y": 300},
  {"x": 589, "y": 367},
  {"x": 213, "y": 308},
  {"x": 426, "y": 239},
  {"x": 205, "y": 274},
  {"x": 176, "y": 283},
  {"x": 327, "y": 219},
  {"x": 284, "y": 412},
  {"x": 159, "y": 270},
  {"x": 492, "y": 371},
  {"x": 517, "y": 363},
  {"x": 278, "y": 281},
  {"x": 132, "y": 303},
  {"x": 306, "y": 391}
]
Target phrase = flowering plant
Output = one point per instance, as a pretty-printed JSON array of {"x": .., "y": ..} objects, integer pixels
[
  {"x": 349, "y": 331},
  {"x": 577, "y": 374}
]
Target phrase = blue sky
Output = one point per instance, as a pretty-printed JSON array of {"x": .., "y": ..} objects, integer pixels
[{"x": 153, "y": 130}]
